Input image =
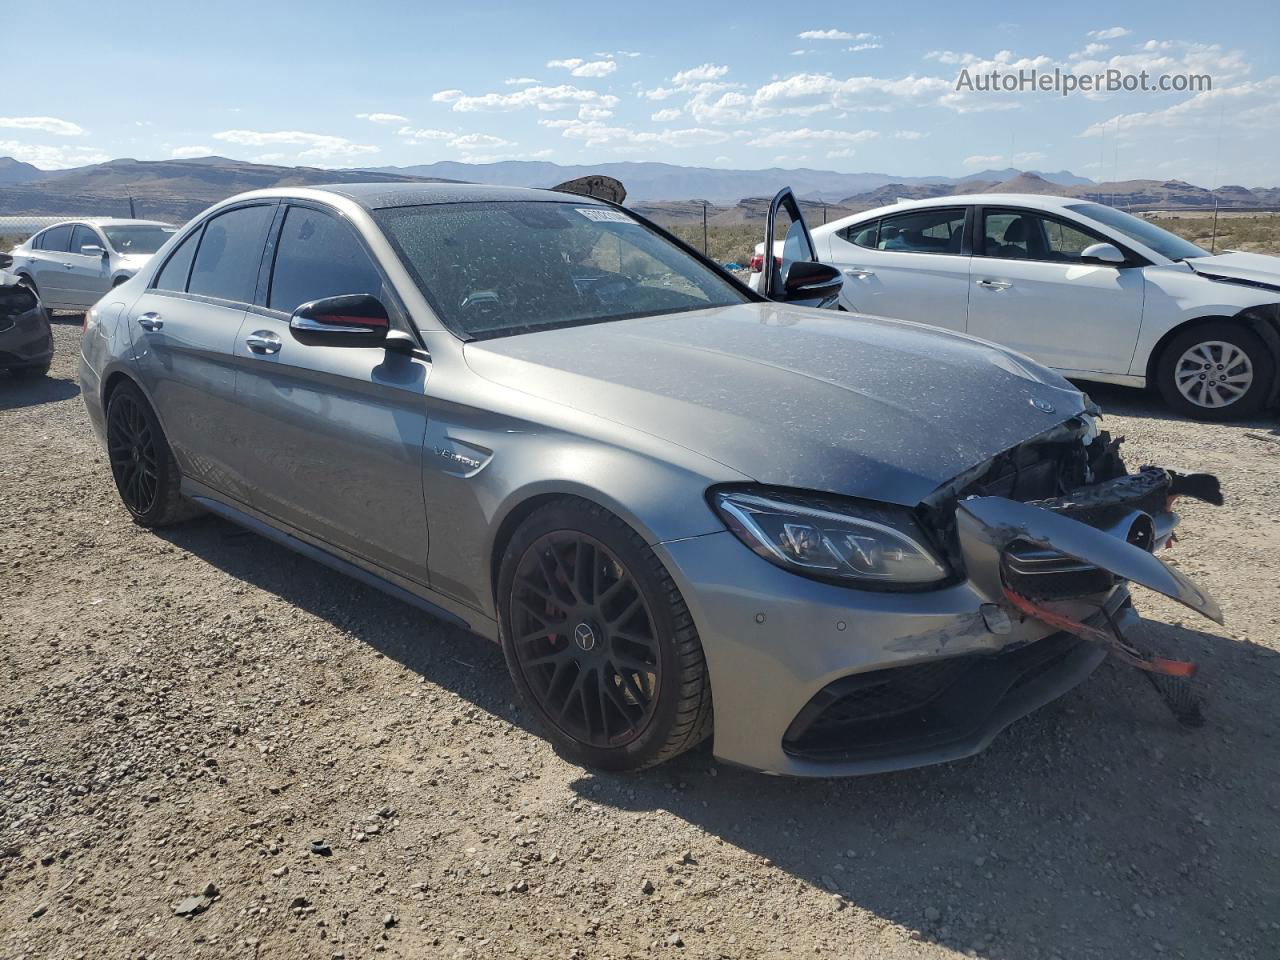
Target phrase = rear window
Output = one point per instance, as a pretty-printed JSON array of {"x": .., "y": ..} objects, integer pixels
[
  {"x": 230, "y": 253},
  {"x": 500, "y": 268},
  {"x": 56, "y": 239}
]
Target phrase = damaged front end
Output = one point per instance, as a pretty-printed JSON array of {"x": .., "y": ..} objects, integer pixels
[{"x": 1050, "y": 530}]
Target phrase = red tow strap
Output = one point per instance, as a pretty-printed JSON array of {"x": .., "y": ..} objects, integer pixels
[{"x": 1115, "y": 641}]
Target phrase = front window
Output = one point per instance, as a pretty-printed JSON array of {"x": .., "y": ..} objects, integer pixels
[
  {"x": 501, "y": 268},
  {"x": 1148, "y": 234},
  {"x": 138, "y": 239}
]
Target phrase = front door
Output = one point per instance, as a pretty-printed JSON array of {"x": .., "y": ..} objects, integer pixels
[
  {"x": 909, "y": 266},
  {"x": 787, "y": 234},
  {"x": 88, "y": 276},
  {"x": 334, "y": 433},
  {"x": 1032, "y": 290},
  {"x": 183, "y": 328}
]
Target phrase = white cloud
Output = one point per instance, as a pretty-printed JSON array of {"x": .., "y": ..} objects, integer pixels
[
  {"x": 454, "y": 140},
  {"x": 800, "y": 53},
  {"x": 184, "y": 153},
  {"x": 384, "y": 118},
  {"x": 825, "y": 35},
  {"x": 984, "y": 160},
  {"x": 538, "y": 97},
  {"x": 666, "y": 115},
  {"x": 700, "y": 74},
  {"x": 320, "y": 148},
  {"x": 859, "y": 47},
  {"x": 908, "y": 135},
  {"x": 618, "y": 53},
  {"x": 806, "y": 137},
  {"x": 594, "y": 134},
  {"x": 520, "y": 81},
  {"x": 591, "y": 112},
  {"x": 1110, "y": 33},
  {"x": 1028, "y": 158},
  {"x": 425, "y": 135},
  {"x": 52, "y": 158},
  {"x": 1249, "y": 108},
  {"x": 63, "y": 128},
  {"x": 472, "y": 141},
  {"x": 584, "y": 68}
]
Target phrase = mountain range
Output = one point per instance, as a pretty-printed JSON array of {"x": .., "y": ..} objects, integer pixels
[{"x": 176, "y": 190}]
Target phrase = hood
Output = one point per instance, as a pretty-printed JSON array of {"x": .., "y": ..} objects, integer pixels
[
  {"x": 817, "y": 399},
  {"x": 1251, "y": 268},
  {"x": 135, "y": 261}
]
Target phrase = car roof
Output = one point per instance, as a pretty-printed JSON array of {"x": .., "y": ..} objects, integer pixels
[
  {"x": 108, "y": 222},
  {"x": 1038, "y": 201},
  {"x": 377, "y": 196}
]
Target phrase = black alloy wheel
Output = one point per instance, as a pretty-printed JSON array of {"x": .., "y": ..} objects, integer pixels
[
  {"x": 584, "y": 639},
  {"x": 598, "y": 640},
  {"x": 131, "y": 445}
]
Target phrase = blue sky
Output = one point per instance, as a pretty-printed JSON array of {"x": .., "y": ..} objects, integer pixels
[{"x": 850, "y": 86}]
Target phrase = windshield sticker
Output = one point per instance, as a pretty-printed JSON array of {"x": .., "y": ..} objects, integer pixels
[{"x": 603, "y": 215}]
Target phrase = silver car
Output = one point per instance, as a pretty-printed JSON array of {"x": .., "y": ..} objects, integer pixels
[
  {"x": 838, "y": 544},
  {"x": 71, "y": 265}
]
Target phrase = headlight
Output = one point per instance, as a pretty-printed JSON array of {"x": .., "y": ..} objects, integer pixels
[{"x": 863, "y": 544}]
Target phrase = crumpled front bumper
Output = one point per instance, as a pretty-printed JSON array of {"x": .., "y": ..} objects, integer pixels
[{"x": 776, "y": 643}]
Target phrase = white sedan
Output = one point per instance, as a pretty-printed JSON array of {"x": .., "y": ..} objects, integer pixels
[
  {"x": 1085, "y": 288},
  {"x": 72, "y": 265}
]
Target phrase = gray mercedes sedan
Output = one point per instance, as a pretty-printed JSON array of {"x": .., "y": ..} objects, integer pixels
[{"x": 835, "y": 544}]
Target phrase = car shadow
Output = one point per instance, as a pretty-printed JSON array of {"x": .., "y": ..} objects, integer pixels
[
  {"x": 1095, "y": 818},
  {"x": 63, "y": 318},
  {"x": 17, "y": 392}
]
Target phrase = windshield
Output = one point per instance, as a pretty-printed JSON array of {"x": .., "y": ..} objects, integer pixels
[
  {"x": 1148, "y": 234},
  {"x": 140, "y": 239},
  {"x": 500, "y": 268}
]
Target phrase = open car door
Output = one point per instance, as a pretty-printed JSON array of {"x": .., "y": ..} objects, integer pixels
[{"x": 793, "y": 274}]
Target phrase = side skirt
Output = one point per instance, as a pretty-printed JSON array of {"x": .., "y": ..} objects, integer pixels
[{"x": 436, "y": 606}]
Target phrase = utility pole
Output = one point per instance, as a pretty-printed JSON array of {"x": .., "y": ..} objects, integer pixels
[
  {"x": 704, "y": 228},
  {"x": 132, "y": 215},
  {"x": 1213, "y": 242}
]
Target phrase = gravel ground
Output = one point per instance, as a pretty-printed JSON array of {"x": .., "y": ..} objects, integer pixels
[{"x": 210, "y": 747}]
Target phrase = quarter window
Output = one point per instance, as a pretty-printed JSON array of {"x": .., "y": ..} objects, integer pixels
[
  {"x": 319, "y": 256},
  {"x": 862, "y": 234},
  {"x": 173, "y": 275},
  {"x": 226, "y": 265},
  {"x": 57, "y": 239}
]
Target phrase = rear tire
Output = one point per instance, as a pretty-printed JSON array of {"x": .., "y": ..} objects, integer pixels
[
  {"x": 142, "y": 464},
  {"x": 598, "y": 640},
  {"x": 1216, "y": 371}
]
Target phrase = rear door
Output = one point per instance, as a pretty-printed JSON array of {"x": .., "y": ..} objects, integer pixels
[
  {"x": 88, "y": 274},
  {"x": 183, "y": 328},
  {"x": 911, "y": 266},
  {"x": 334, "y": 435},
  {"x": 1033, "y": 291},
  {"x": 50, "y": 264}
]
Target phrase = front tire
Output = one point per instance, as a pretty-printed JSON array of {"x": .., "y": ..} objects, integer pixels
[
  {"x": 1216, "y": 371},
  {"x": 598, "y": 640},
  {"x": 142, "y": 464}
]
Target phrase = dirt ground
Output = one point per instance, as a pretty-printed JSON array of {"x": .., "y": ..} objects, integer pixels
[{"x": 186, "y": 717}]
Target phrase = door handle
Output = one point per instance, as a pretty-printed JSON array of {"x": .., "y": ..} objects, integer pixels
[
  {"x": 858, "y": 273},
  {"x": 995, "y": 284},
  {"x": 263, "y": 341},
  {"x": 150, "y": 321},
  {"x": 69, "y": 266}
]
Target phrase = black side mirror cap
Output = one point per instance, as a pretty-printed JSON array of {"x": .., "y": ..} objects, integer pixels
[
  {"x": 810, "y": 281},
  {"x": 5, "y": 261},
  {"x": 350, "y": 320}
]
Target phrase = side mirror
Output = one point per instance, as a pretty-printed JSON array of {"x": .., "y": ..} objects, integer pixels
[
  {"x": 807, "y": 280},
  {"x": 351, "y": 320},
  {"x": 6, "y": 260},
  {"x": 1103, "y": 253},
  {"x": 92, "y": 250}
]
